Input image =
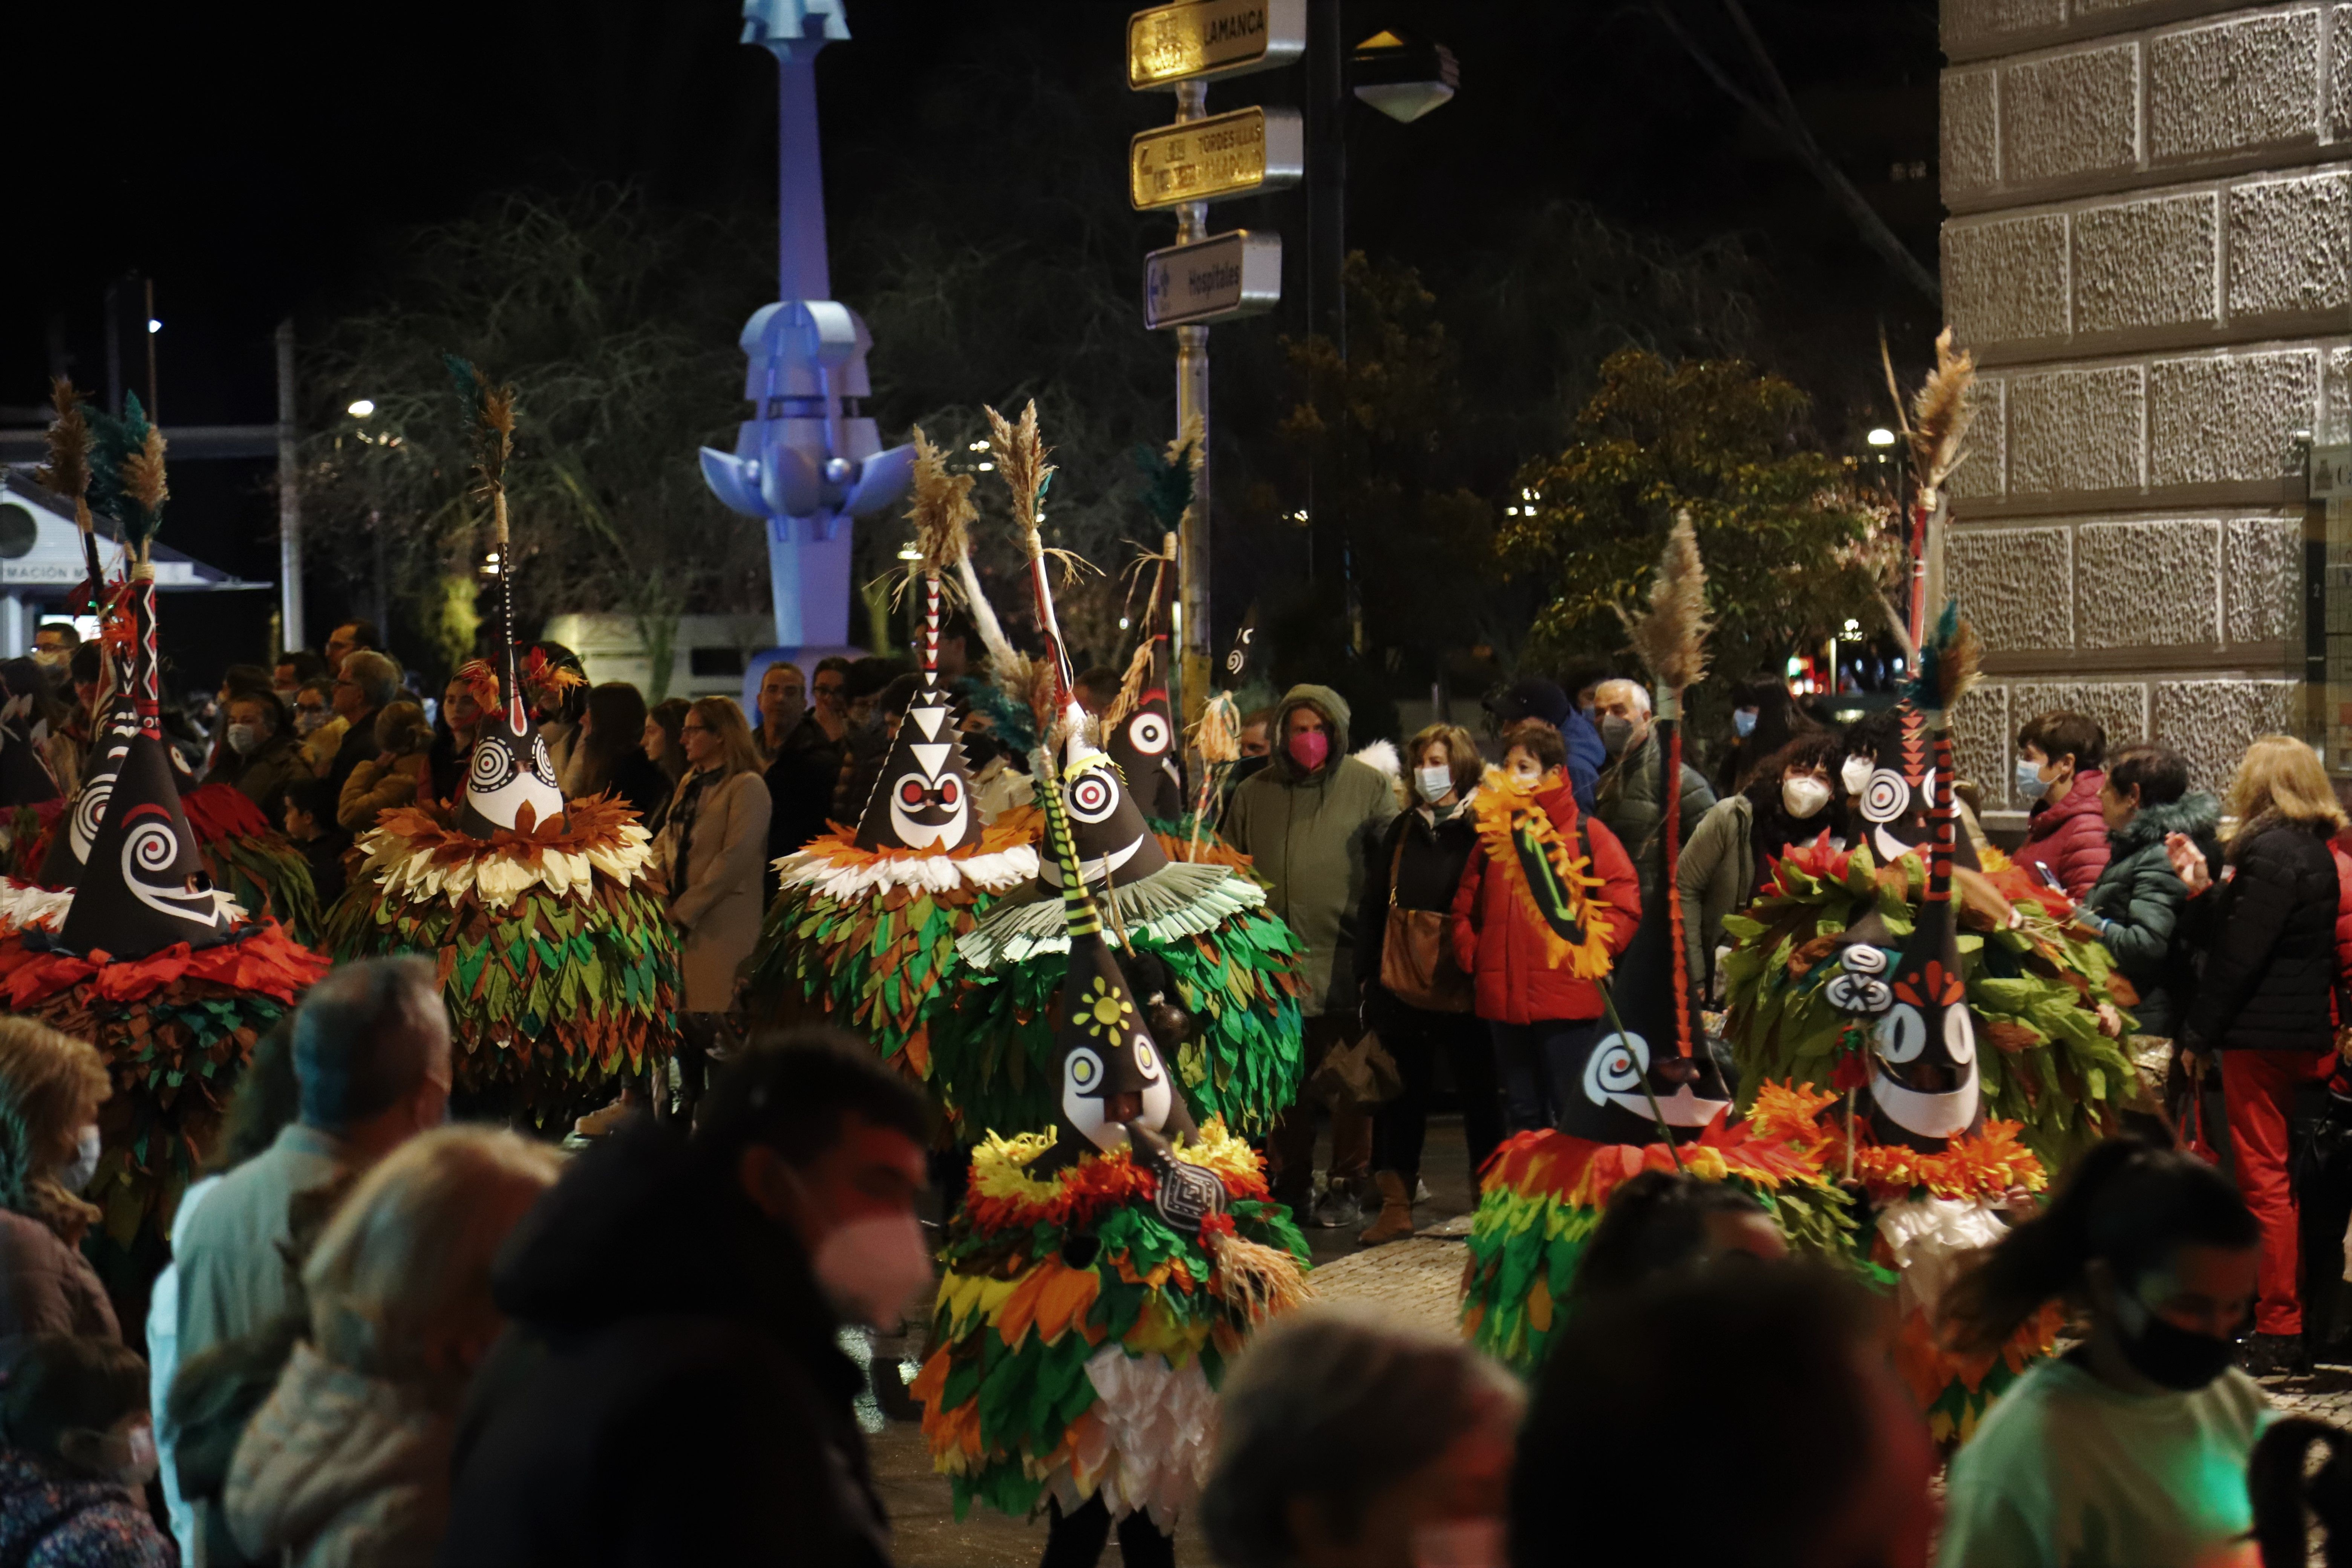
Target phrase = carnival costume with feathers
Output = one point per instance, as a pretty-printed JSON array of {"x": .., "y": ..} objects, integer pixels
[
  {"x": 1649, "y": 1072},
  {"x": 1100, "y": 1272},
  {"x": 1885, "y": 986},
  {"x": 1221, "y": 970},
  {"x": 1139, "y": 729},
  {"x": 546, "y": 917},
  {"x": 170, "y": 978},
  {"x": 863, "y": 926}
]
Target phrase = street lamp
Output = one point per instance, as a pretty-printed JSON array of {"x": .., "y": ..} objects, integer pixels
[
  {"x": 1402, "y": 78},
  {"x": 1881, "y": 437},
  {"x": 361, "y": 408}
]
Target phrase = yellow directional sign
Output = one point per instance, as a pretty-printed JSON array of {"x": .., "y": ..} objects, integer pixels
[
  {"x": 1208, "y": 39},
  {"x": 1236, "y": 154}
]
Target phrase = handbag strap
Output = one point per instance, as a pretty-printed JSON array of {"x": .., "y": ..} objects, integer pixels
[{"x": 1396, "y": 862}]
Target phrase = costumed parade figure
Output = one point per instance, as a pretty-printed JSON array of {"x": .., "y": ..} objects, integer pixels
[
  {"x": 145, "y": 958},
  {"x": 546, "y": 917},
  {"x": 1102, "y": 1269},
  {"x": 1881, "y": 984},
  {"x": 863, "y": 926},
  {"x": 1220, "y": 971},
  {"x": 1650, "y": 1094}
]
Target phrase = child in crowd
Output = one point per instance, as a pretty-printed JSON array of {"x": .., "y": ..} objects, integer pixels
[{"x": 80, "y": 1450}]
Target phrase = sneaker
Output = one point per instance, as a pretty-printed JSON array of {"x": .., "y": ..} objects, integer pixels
[
  {"x": 1337, "y": 1208},
  {"x": 2275, "y": 1356}
]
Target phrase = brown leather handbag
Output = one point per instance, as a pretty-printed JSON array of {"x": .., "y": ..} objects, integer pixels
[{"x": 1417, "y": 964}]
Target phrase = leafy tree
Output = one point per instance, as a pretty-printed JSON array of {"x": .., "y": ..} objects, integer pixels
[
  {"x": 617, "y": 325},
  {"x": 1792, "y": 550}
]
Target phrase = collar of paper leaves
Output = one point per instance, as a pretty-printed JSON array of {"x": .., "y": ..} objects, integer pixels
[
  {"x": 422, "y": 853},
  {"x": 1005, "y": 1198}
]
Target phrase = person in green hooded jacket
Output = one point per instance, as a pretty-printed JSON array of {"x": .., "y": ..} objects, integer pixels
[
  {"x": 2137, "y": 905},
  {"x": 1311, "y": 819}
]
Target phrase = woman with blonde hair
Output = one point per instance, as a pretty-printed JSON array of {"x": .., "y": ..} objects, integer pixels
[
  {"x": 2265, "y": 1004},
  {"x": 714, "y": 845},
  {"x": 50, "y": 1088},
  {"x": 348, "y": 1462},
  {"x": 1415, "y": 996}
]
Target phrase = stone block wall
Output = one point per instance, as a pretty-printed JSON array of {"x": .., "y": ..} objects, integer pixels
[{"x": 2150, "y": 253}]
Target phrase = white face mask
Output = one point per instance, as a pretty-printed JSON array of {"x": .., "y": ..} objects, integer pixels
[
  {"x": 1434, "y": 782},
  {"x": 871, "y": 1268},
  {"x": 77, "y": 1177},
  {"x": 1855, "y": 774},
  {"x": 1803, "y": 796},
  {"x": 244, "y": 738}
]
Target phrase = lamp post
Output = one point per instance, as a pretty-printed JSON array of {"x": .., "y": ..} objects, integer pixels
[{"x": 1403, "y": 78}]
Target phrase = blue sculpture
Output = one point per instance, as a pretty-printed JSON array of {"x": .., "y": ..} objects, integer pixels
[{"x": 808, "y": 460}]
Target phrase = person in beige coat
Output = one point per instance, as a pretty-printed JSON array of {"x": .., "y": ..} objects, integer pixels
[
  {"x": 50, "y": 1088},
  {"x": 714, "y": 845}
]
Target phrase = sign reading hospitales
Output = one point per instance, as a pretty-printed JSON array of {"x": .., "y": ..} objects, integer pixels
[
  {"x": 1204, "y": 40},
  {"x": 1220, "y": 278},
  {"x": 1236, "y": 154}
]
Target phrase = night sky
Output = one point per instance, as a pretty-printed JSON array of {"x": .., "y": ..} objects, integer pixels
[{"x": 260, "y": 161}]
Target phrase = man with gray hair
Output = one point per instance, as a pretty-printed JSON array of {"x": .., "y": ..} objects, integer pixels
[
  {"x": 1631, "y": 796},
  {"x": 366, "y": 682},
  {"x": 371, "y": 1063}
]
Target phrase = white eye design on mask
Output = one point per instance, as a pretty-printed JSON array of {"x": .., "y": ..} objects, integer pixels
[
  {"x": 1902, "y": 1034},
  {"x": 1887, "y": 795},
  {"x": 1858, "y": 994},
  {"x": 1863, "y": 959},
  {"x": 1615, "y": 1066},
  {"x": 1093, "y": 797},
  {"x": 1146, "y": 1060},
  {"x": 1959, "y": 1036},
  {"x": 1084, "y": 1070},
  {"x": 1147, "y": 733}
]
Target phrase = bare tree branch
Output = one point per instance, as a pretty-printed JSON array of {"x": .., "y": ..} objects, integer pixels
[{"x": 1781, "y": 116}]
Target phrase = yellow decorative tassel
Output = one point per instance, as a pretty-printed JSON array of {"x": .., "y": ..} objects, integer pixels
[{"x": 1260, "y": 1280}]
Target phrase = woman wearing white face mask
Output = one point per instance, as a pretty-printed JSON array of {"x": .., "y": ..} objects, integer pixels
[
  {"x": 50, "y": 1088},
  {"x": 1798, "y": 794},
  {"x": 1414, "y": 995}
]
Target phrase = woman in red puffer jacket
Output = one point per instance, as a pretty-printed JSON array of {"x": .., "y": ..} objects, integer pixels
[
  {"x": 1542, "y": 1015},
  {"x": 2059, "y": 756}
]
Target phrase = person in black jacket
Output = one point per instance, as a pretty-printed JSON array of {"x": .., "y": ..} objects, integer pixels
[
  {"x": 609, "y": 753},
  {"x": 2265, "y": 1004},
  {"x": 1417, "y": 868},
  {"x": 669, "y": 1389}
]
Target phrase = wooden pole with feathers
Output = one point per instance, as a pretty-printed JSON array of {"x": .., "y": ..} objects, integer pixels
[
  {"x": 1670, "y": 637},
  {"x": 1933, "y": 426},
  {"x": 492, "y": 408},
  {"x": 1021, "y": 454},
  {"x": 942, "y": 513}
]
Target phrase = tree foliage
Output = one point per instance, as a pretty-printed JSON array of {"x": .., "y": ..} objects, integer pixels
[
  {"x": 617, "y": 325},
  {"x": 1791, "y": 548}
]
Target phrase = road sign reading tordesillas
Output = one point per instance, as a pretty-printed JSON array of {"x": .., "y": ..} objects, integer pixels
[
  {"x": 1236, "y": 154},
  {"x": 1204, "y": 40},
  {"x": 1217, "y": 279}
]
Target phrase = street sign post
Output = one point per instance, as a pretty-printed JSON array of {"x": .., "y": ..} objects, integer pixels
[
  {"x": 1220, "y": 279},
  {"x": 1208, "y": 40},
  {"x": 1222, "y": 156}
]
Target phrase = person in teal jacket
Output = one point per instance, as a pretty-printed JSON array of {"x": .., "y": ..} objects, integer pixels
[{"x": 2137, "y": 905}]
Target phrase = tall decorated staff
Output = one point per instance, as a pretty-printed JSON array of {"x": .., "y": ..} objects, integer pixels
[
  {"x": 170, "y": 978},
  {"x": 1219, "y": 974},
  {"x": 863, "y": 926},
  {"x": 546, "y": 917},
  {"x": 1141, "y": 726},
  {"x": 1649, "y": 1095},
  {"x": 1104, "y": 1267},
  {"x": 1929, "y": 1002}
]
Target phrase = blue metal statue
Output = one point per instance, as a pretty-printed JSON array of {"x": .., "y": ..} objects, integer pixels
[{"x": 808, "y": 460}]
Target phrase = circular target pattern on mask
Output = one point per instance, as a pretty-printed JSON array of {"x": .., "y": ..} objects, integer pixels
[
  {"x": 1094, "y": 795},
  {"x": 1615, "y": 1066},
  {"x": 1146, "y": 1059},
  {"x": 542, "y": 766},
  {"x": 1886, "y": 797},
  {"x": 492, "y": 768},
  {"x": 1084, "y": 1069},
  {"x": 1902, "y": 1034},
  {"x": 1147, "y": 733}
]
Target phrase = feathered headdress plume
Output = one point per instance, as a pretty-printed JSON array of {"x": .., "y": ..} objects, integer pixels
[
  {"x": 492, "y": 408},
  {"x": 1671, "y": 634},
  {"x": 1938, "y": 416},
  {"x": 941, "y": 511},
  {"x": 1170, "y": 476},
  {"x": 1949, "y": 661},
  {"x": 126, "y": 475},
  {"x": 67, "y": 473}
]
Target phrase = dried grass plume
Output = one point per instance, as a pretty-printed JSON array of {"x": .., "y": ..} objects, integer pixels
[
  {"x": 1670, "y": 636},
  {"x": 941, "y": 510},
  {"x": 67, "y": 473}
]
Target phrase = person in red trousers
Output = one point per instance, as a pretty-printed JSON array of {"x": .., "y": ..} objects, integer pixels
[{"x": 2265, "y": 1012}]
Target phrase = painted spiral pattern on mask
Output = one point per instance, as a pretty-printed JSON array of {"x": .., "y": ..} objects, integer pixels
[
  {"x": 1093, "y": 797},
  {"x": 88, "y": 814},
  {"x": 148, "y": 851},
  {"x": 1886, "y": 798}
]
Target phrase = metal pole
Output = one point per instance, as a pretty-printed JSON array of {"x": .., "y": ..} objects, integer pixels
[
  {"x": 1191, "y": 404},
  {"x": 290, "y": 496},
  {"x": 1326, "y": 256}
]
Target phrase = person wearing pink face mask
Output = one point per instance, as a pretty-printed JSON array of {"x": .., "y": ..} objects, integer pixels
[{"x": 1311, "y": 819}]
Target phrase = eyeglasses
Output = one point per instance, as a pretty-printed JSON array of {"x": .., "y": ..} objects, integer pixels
[
  {"x": 695, "y": 729},
  {"x": 829, "y": 687}
]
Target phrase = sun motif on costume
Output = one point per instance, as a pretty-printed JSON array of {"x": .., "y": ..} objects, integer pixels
[{"x": 1108, "y": 1014}]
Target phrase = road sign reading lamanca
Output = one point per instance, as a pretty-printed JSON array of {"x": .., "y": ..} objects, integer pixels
[
  {"x": 1218, "y": 278},
  {"x": 1236, "y": 154},
  {"x": 1204, "y": 40}
]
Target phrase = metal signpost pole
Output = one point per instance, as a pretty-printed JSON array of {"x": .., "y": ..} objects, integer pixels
[{"x": 1193, "y": 405}]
